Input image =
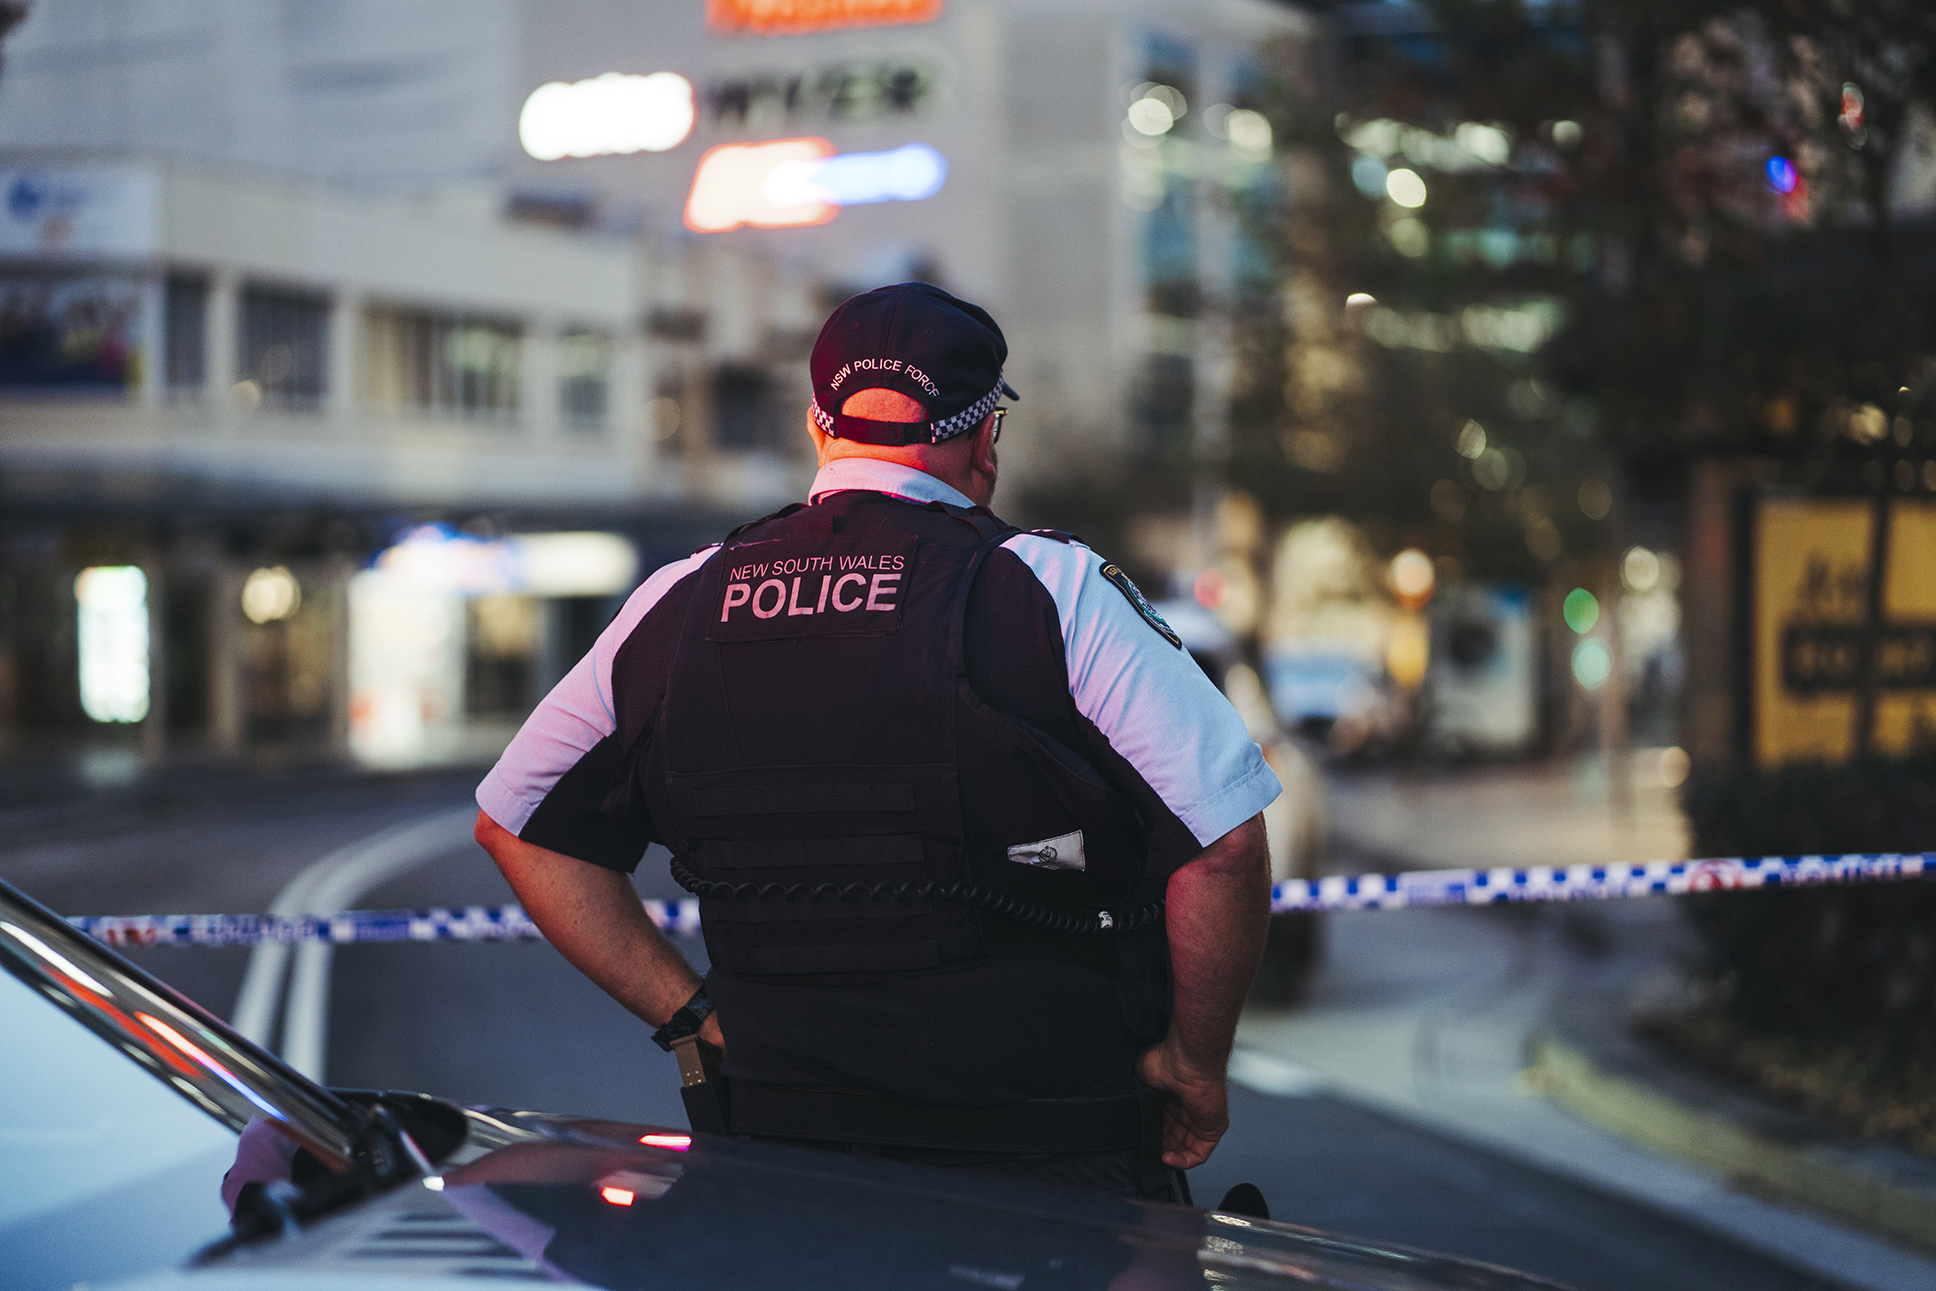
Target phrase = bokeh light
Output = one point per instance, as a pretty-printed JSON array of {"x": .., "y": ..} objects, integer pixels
[
  {"x": 1492, "y": 470},
  {"x": 1595, "y": 499},
  {"x": 1408, "y": 656},
  {"x": 1406, "y": 188},
  {"x": 271, "y": 595},
  {"x": 1592, "y": 663},
  {"x": 1781, "y": 174},
  {"x": 1640, "y": 570},
  {"x": 1250, "y": 134},
  {"x": 1581, "y": 610},
  {"x": 1674, "y": 766},
  {"x": 1368, "y": 176},
  {"x": 1412, "y": 577},
  {"x": 1151, "y": 116},
  {"x": 1409, "y": 237}
]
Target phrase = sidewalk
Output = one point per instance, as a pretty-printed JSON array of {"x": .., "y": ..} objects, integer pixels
[{"x": 1461, "y": 1018}]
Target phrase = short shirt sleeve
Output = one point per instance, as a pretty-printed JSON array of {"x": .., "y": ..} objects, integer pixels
[
  {"x": 1149, "y": 700},
  {"x": 551, "y": 784}
]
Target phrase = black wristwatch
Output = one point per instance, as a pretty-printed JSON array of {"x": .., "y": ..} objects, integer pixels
[{"x": 691, "y": 1016}]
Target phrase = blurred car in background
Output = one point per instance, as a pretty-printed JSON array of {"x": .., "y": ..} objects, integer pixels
[
  {"x": 150, "y": 1146},
  {"x": 1297, "y": 823},
  {"x": 1482, "y": 693},
  {"x": 1335, "y": 696}
]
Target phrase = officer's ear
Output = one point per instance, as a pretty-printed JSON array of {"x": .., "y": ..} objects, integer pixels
[{"x": 985, "y": 446}]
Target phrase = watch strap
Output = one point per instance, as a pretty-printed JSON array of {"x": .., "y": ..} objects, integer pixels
[{"x": 691, "y": 1016}]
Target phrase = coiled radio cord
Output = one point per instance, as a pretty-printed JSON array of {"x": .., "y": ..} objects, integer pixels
[{"x": 1020, "y": 909}]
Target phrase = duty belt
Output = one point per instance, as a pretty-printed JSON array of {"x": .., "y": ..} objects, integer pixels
[{"x": 1132, "y": 1122}]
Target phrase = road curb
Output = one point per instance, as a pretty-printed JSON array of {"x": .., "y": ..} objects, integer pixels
[{"x": 1807, "y": 1175}]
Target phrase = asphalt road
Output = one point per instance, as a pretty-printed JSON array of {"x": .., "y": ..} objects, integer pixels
[{"x": 512, "y": 1024}]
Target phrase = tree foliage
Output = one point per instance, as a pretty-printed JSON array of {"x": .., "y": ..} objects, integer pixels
[{"x": 1704, "y": 310}]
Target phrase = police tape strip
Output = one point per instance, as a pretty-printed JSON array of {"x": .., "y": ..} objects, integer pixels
[
  {"x": 1592, "y": 882},
  {"x": 472, "y": 923},
  {"x": 1339, "y": 892}
]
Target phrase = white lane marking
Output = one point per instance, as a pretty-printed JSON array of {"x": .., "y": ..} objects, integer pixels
[
  {"x": 329, "y": 886},
  {"x": 1269, "y": 1074}
]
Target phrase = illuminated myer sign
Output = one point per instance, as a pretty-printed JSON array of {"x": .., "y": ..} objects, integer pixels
[{"x": 791, "y": 182}]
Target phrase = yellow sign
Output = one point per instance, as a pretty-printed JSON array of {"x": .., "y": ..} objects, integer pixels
[
  {"x": 775, "y": 17},
  {"x": 1810, "y": 584}
]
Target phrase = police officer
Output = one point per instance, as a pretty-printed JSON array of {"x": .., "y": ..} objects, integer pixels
[{"x": 981, "y": 868}]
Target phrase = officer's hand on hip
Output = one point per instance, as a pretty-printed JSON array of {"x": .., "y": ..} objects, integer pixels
[
  {"x": 709, "y": 1032},
  {"x": 1196, "y": 1108}
]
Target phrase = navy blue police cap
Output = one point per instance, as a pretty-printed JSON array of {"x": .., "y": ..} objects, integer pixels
[{"x": 944, "y": 353}]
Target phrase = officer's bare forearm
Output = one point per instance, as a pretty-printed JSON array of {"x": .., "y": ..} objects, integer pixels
[
  {"x": 1218, "y": 909},
  {"x": 594, "y": 917}
]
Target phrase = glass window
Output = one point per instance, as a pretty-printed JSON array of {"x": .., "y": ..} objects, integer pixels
[
  {"x": 186, "y": 319},
  {"x": 584, "y": 378},
  {"x": 73, "y": 333},
  {"x": 743, "y": 409},
  {"x": 443, "y": 365},
  {"x": 1164, "y": 398},
  {"x": 284, "y": 335}
]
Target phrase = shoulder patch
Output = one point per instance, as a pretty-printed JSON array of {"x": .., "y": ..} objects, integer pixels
[{"x": 1114, "y": 573}]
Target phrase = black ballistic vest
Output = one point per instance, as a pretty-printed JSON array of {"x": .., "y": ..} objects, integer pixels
[{"x": 842, "y": 799}]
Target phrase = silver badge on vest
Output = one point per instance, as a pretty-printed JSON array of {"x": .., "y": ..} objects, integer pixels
[{"x": 1063, "y": 852}]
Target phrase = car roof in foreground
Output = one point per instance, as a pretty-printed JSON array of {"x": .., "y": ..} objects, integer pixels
[
  {"x": 537, "y": 1196},
  {"x": 534, "y": 1195}
]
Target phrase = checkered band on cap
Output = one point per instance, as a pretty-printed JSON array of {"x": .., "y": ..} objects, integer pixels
[
  {"x": 947, "y": 428},
  {"x": 971, "y": 416}
]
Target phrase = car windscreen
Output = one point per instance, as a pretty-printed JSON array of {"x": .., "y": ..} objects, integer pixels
[{"x": 104, "y": 1170}]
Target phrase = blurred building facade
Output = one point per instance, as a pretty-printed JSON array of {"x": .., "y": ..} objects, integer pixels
[{"x": 293, "y": 323}]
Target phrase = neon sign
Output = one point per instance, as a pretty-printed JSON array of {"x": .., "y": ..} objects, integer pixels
[
  {"x": 773, "y": 17},
  {"x": 794, "y": 182},
  {"x": 613, "y": 113}
]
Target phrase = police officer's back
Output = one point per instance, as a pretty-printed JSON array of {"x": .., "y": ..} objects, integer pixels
[{"x": 934, "y": 780}]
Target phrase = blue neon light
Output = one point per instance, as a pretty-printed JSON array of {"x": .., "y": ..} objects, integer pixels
[{"x": 906, "y": 174}]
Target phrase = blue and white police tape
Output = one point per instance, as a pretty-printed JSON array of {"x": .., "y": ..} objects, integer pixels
[
  {"x": 1338, "y": 892},
  {"x": 1592, "y": 882},
  {"x": 472, "y": 923}
]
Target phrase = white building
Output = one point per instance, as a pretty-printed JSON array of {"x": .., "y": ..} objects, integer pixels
[{"x": 270, "y": 289}]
